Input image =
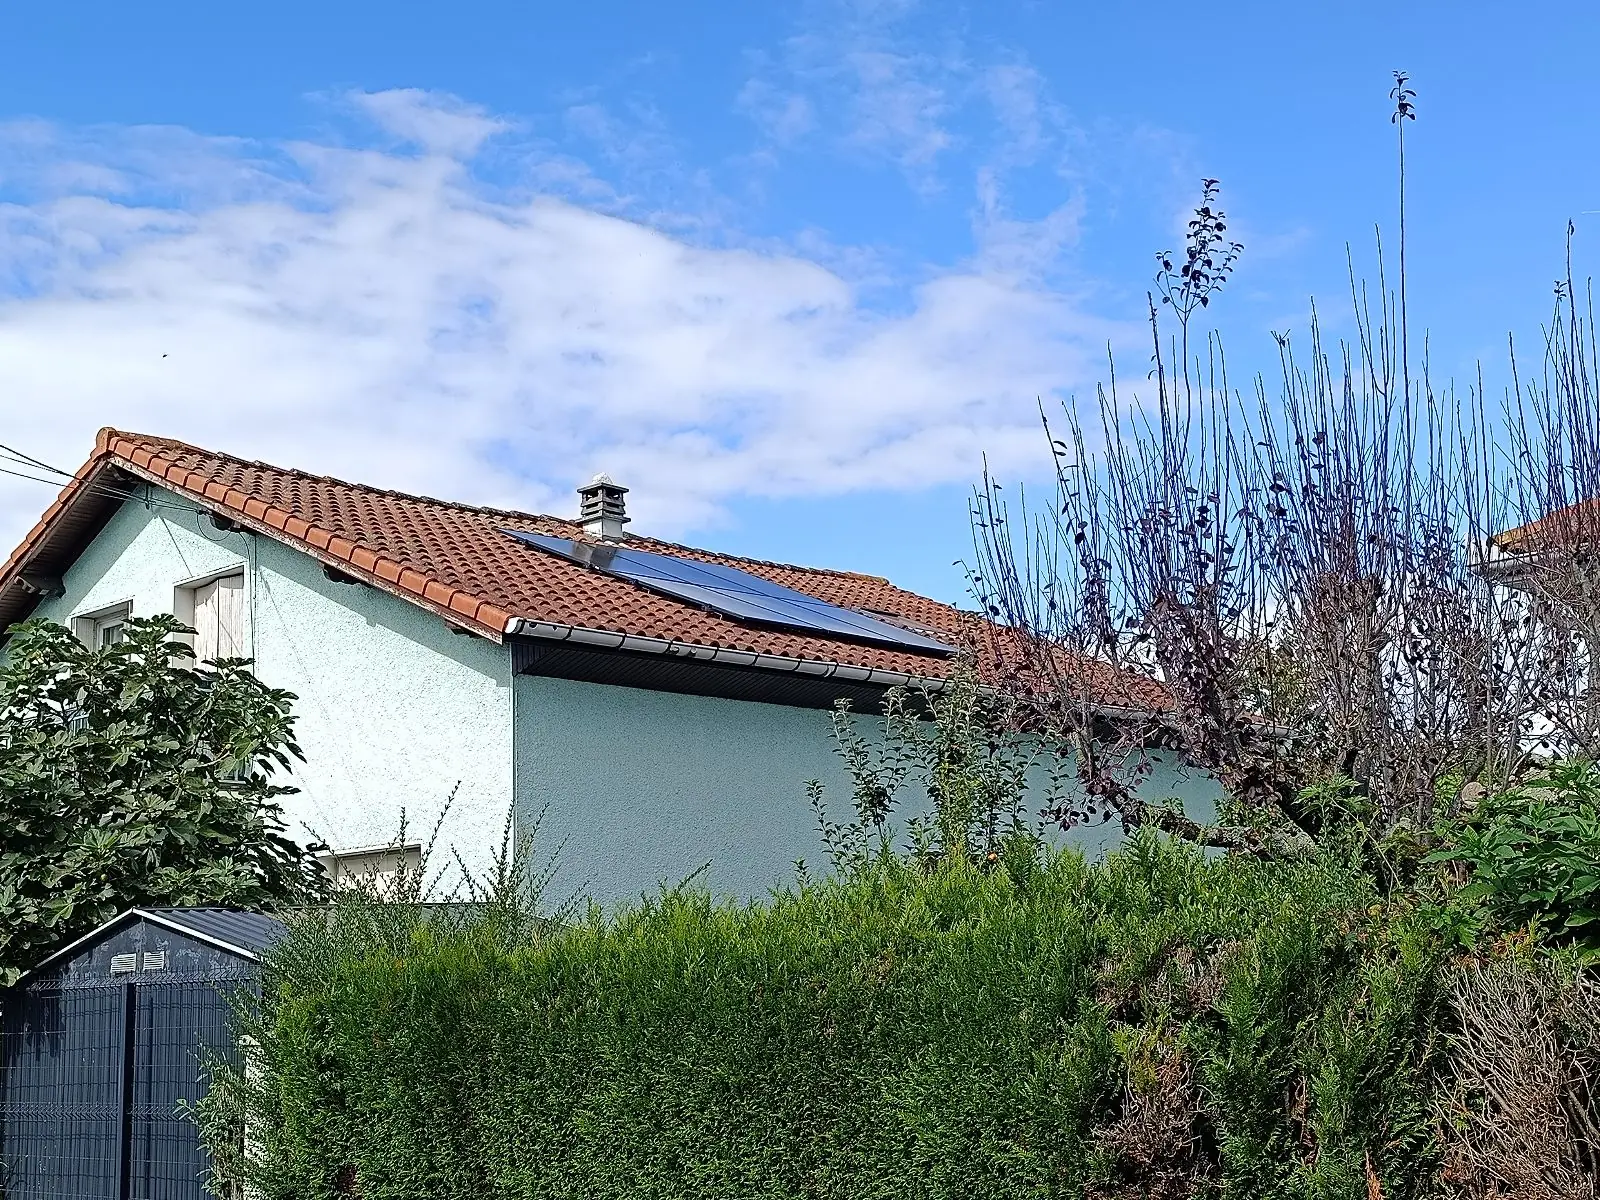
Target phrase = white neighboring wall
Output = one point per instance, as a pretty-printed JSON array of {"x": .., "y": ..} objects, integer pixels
[{"x": 394, "y": 708}]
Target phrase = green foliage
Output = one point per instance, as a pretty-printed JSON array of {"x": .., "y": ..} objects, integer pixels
[
  {"x": 1532, "y": 856},
  {"x": 128, "y": 778},
  {"x": 907, "y": 1030},
  {"x": 962, "y": 749}
]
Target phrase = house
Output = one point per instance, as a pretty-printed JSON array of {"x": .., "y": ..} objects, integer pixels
[
  {"x": 1551, "y": 555},
  {"x": 656, "y": 709}
]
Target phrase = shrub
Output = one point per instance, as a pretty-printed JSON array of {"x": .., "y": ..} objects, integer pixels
[
  {"x": 1518, "y": 1107},
  {"x": 1532, "y": 854},
  {"x": 130, "y": 777},
  {"x": 1157, "y": 1024}
]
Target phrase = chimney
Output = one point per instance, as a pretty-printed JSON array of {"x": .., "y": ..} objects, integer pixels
[{"x": 603, "y": 512}]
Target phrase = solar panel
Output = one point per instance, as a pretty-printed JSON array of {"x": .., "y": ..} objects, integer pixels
[{"x": 732, "y": 592}]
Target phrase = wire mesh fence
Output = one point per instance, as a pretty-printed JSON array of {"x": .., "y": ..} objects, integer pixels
[
  {"x": 61, "y": 1094},
  {"x": 95, "y": 1082}
]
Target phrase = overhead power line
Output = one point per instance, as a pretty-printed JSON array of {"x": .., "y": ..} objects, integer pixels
[{"x": 100, "y": 489}]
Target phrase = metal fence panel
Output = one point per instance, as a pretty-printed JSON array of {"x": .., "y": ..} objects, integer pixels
[
  {"x": 101, "y": 1057},
  {"x": 61, "y": 1095},
  {"x": 175, "y": 1024}
]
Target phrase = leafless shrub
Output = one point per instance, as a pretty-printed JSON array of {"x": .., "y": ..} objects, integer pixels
[
  {"x": 1551, "y": 556},
  {"x": 1316, "y": 576},
  {"x": 1518, "y": 1112}
]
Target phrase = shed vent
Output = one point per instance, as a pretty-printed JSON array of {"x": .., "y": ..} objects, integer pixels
[
  {"x": 156, "y": 961},
  {"x": 122, "y": 964}
]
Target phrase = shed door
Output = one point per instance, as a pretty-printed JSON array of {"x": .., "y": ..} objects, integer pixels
[{"x": 61, "y": 1095}]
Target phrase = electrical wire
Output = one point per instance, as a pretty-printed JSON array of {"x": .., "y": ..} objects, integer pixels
[
  {"x": 22, "y": 475},
  {"x": 28, "y": 460},
  {"x": 12, "y": 454},
  {"x": 100, "y": 489}
]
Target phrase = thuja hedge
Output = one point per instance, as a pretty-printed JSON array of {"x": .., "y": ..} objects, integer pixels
[{"x": 1156, "y": 1024}]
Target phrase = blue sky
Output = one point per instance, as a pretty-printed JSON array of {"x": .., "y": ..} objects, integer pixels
[{"x": 788, "y": 271}]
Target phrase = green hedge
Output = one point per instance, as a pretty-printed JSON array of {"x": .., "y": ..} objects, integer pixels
[{"x": 1158, "y": 1024}]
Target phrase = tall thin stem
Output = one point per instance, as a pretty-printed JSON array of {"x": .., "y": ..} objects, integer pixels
[{"x": 1404, "y": 110}]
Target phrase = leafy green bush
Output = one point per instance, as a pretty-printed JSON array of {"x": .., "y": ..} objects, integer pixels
[
  {"x": 1158, "y": 1024},
  {"x": 1531, "y": 854},
  {"x": 128, "y": 777},
  {"x": 962, "y": 753}
]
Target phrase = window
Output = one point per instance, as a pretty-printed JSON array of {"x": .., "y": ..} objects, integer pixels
[
  {"x": 376, "y": 869},
  {"x": 105, "y": 627},
  {"x": 109, "y": 631},
  {"x": 216, "y": 609}
]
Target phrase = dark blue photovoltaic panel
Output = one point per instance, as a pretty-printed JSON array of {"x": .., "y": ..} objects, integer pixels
[{"x": 732, "y": 592}]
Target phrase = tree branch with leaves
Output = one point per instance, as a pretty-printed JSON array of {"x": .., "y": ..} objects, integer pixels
[{"x": 132, "y": 776}]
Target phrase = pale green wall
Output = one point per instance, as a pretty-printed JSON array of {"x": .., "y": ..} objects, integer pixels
[
  {"x": 640, "y": 789},
  {"x": 394, "y": 709}
]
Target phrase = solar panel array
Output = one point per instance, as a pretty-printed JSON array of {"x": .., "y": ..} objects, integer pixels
[{"x": 732, "y": 592}]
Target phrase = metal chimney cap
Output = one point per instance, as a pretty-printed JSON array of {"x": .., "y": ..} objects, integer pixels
[{"x": 603, "y": 511}]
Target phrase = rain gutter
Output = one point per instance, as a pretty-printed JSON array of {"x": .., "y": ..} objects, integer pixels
[{"x": 811, "y": 668}]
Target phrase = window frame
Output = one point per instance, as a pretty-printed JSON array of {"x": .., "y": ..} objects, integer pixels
[
  {"x": 377, "y": 865},
  {"x": 183, "y": 605},
  {"x": 89, "y": 626}
]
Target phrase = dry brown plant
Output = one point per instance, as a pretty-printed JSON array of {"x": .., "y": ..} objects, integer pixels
[
  {"x": 1518, "y": 1114},
  {"x": 1156, "y": 1139}
]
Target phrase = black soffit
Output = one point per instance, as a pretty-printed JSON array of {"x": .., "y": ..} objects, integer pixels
[{"x": 732, "y": 592}]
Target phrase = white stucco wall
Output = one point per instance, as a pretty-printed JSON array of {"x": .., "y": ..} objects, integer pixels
[
  {"x": 638, "y": 789},
  {"x": 394, "y": 709}
]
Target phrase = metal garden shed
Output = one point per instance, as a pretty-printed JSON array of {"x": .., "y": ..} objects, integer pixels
[{"x": 100, "y": 1048}]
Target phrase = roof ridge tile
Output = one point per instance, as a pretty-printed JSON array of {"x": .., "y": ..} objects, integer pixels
[
  {"x": 486, "y": 510},
  {"x": 314, "y": 477}
]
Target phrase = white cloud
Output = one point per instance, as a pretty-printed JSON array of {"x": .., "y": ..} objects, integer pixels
[
  {"x": 783, "y": 116},
  {"x": 859, "y": 78},
  {"x": 383, "y": 316},
  {"x": 438, "y": 124},
  {"x": 899, "y": 106},
  {"x": 851, "y": 79}
]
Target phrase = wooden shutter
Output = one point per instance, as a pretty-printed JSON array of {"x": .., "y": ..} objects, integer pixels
[{"x": 219, "y": 619}]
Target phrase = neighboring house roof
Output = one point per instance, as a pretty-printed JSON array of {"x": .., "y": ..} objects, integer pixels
[
  {"x": 1537, "y": 553},
  {"x": 1575, "y": 523},
  {"x": 454, "y": 560}
]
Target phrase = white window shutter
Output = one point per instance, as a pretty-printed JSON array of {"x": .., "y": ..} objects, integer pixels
[
  {"x": 205, "y": 622},
  {"x": 219, "y": 619},
  {"x": 230, "y": 617}
]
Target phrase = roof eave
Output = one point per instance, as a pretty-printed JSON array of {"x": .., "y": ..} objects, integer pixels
[
  {"x": 1495, "y": 561},
  {"x": 137, "y": 914},
  {"x": 377, "y": 571},
  {"x": 53, "y": 535},
  {"x": 605, "y": 639}
]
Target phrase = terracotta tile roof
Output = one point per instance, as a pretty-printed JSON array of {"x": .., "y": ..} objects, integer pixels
[
  {"x": 1574, "y": 524},
  {"x": 454, "y": 560}
]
